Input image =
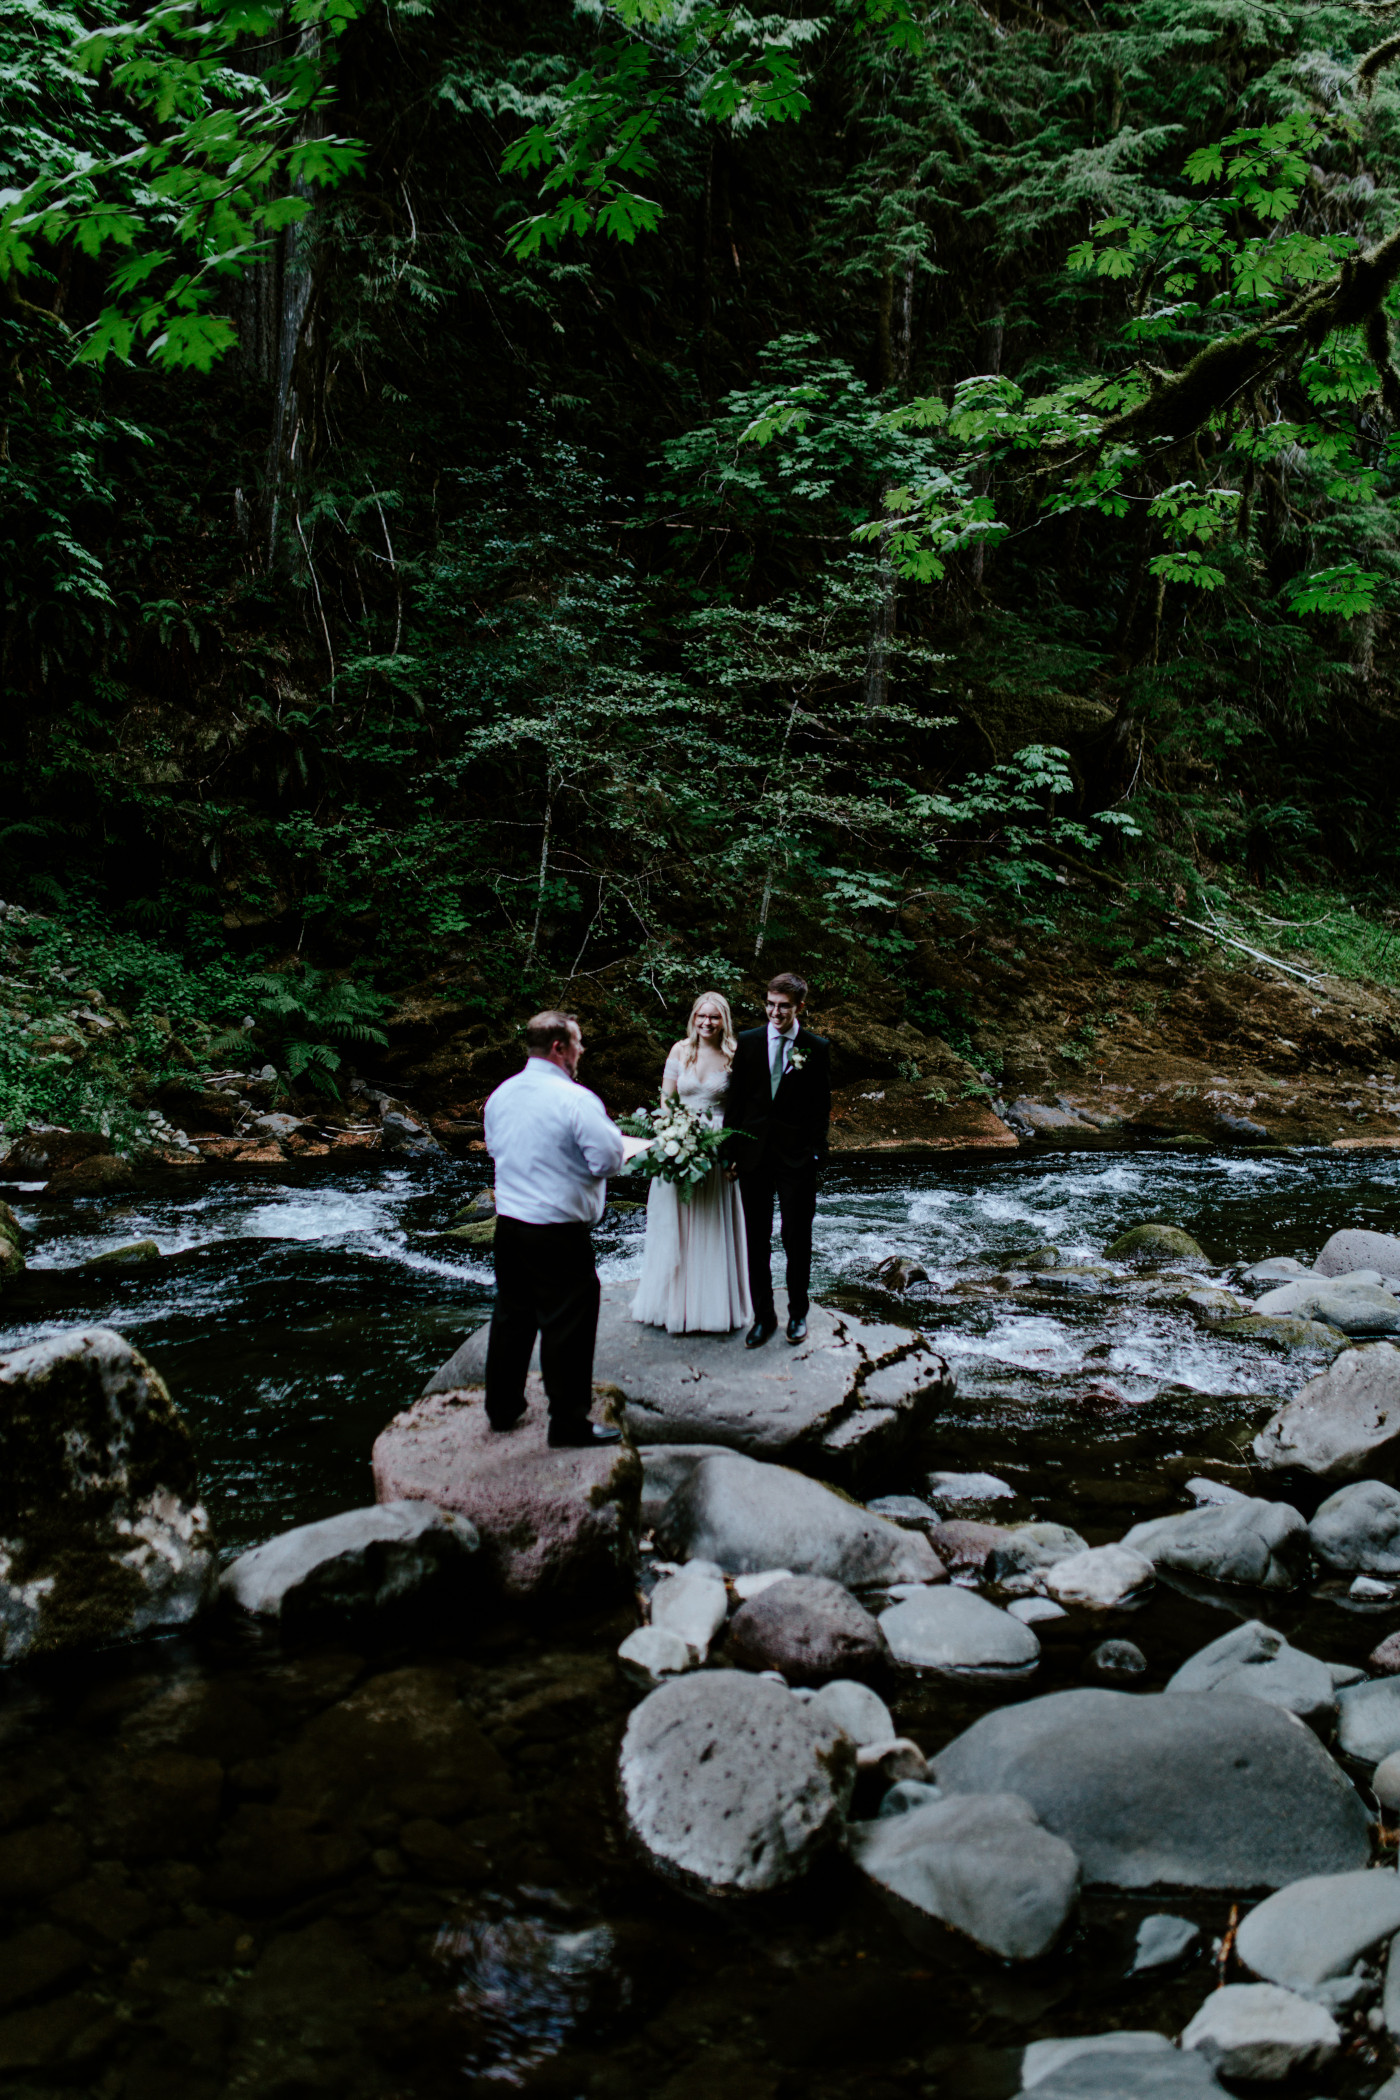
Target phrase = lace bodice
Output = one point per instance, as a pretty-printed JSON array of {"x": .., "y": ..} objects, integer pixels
[{"x": 703, "y": 1097}]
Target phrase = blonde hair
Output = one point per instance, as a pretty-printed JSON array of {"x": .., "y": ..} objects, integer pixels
[{"x": 728, "y": 1040}]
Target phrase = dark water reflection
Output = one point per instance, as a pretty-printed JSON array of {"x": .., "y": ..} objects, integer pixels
[{"x": 394, "y": 1868}]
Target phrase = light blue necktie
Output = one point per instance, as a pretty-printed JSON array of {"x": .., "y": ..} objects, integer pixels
[{"x": 779, "y": 1050}]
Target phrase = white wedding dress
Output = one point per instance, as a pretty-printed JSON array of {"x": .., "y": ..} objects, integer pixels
[{"x": 695, "y": 1275}]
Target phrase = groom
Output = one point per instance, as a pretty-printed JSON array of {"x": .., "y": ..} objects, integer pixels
[{"x": 779, "y": 1106}]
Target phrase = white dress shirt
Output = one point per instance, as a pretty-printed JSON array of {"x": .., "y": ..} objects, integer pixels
[
  {"x": 554, "y": 1145},
  {"x": 788, "y": 1039}
]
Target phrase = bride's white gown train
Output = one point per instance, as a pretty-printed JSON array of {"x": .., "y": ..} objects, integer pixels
[{"x": 695, "y": 1275}]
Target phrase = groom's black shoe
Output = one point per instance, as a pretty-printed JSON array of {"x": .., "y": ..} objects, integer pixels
[
  {"x": 507, "y": 1421},
  {"x": 763, "y": 1327},
  {"x": 797, "y": 1328},
  {"x": 581, "y": 1436}
]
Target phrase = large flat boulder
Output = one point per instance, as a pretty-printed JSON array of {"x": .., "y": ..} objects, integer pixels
[
  {"x": 841, "y": 1404},
  {"x": 748, "y": 1517},
  {"x": 102, "y": 1537},
  {"x": 1257, "y": 1661},
  {"x": 730, "y": 1785},
  {"x": 1187, "y": 1789},
  {"x": 1263, "y": 1544},
  {"x": 557, "y": 1527},
  {"x": 1345, "y": 1423}
]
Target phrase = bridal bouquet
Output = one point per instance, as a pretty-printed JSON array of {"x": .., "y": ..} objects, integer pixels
[{"x": 681, "y": 1147}]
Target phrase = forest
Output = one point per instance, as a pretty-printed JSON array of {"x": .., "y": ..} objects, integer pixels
[{"x": 583, "y": 501}]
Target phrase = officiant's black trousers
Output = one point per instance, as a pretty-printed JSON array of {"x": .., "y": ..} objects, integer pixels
[
  {"x": 546, "y": 1285},
  {"x": 794, "y": 1190}
]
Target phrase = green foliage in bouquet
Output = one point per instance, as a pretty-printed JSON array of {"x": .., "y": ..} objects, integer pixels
[{"x": 682, "y": 1148}]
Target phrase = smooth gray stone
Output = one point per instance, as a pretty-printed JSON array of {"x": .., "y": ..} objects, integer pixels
[
  {"x": 361, "y": 1560},
  {"x": 1358, "y": 1529},
  {"x": 1167, "y": 2074},
  {"x": 978, "y": 1863},
  {"x": 730, "y": 1785},
  {"x": 959, "y": 1633},
  {"x": 1357, "y": 1309},
  {"x": 1186, "y": 1789},
  {"x": 1368, "y": 1719},
  {"x": 1259, "y": 2031},
  {"x": 748, "y": 1517},
  {"x": 1344, "y": 1422},
  {"x": 1042, "y": 2059},
  {"x": 856, "y": 1711},
  {"x": 809, "y": 1628},
  {"x": 843, "y": 1400},
  {"x": 1354, "y": 1249},
  {"x": 1277, "y": 1269},
  {"x": 1262, "y": 1544},
  {"x": 1317, "y": 1927},
  {"x": 1162, "y": 1940},
  {"x": 1257, "y": 1660}
]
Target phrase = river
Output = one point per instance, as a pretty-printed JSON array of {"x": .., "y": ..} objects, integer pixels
[{"x": 518, "y": 1946}]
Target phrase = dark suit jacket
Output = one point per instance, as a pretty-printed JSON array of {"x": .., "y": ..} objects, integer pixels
[{"x": 788, "y": 1128}]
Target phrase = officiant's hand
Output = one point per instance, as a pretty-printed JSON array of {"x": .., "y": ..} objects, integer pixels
[{"x": 731, "y": 1173}]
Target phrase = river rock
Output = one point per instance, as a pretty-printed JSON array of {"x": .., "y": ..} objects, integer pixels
[
  {"x": 1039, "y": 1116},
  {"x": 1343, "y": 1422},
  {"x": 1163, "y": 1940},
  {"x": 1118, "y": 1659},
  {"x": 730, "y": 1785},
  {"x": 1368, "y": 1719},
  {"x": 1166, "y": 2074},
  {"x": 651, "y": 1654},
  {"x": 1286, "y": 1331},
  {"x": 979, "y": 1863},
  {"x": 1385, "y": 1656},
  {"x": 811, "y": 1629},
  {"x": 557, "y": 1527},
  {"x": 1043, "y": 2059},
  {"x": 843, "y": 1402},
  {"x": 1277, "y": 1269},
  {"x": 748, "y": 1516},
  {"x": 1319, "y": 1927},
  {"x": 101, "y": 1535},
  {"x": 960, "y": 1634},
  {"x": 1101, "y": 1578},
  {"x": 856, "y": 1711},
  {"x": 98, "y": 1175},
  {"x": 1357, "y": 1309},
  {"x": 692, "y": 1604},
  {"x": 962, "y": 1543},
  {"x": 1190, "y": 1789},
  {"x": 1261, "y": 2032},
  {"x": 966, "y": 1490},
  {"x": 1263, "y": 1544},
  {"x": 1353, "y": 1249},
  {"x": 1358, "y": 1529},
  {"x": 1154, "y": 1243},
  {"x": 401, "y": 1134},
  {"x": 1256, "y": 1659},
  {"x": 362, "y": 1560},
  {"x": 133, "y": 1255}
]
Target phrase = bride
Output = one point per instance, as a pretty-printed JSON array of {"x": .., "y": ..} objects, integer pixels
[{"x": 694, "y": 1271}]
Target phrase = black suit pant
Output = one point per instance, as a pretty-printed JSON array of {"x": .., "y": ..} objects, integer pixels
[
  {"x": 794, "y": 1190},
  {"x": 546, "y": 1285}
]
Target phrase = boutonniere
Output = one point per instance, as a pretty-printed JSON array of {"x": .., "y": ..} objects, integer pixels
[{"x": 796, "y": 1060}]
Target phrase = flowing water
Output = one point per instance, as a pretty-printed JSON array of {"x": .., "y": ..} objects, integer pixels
[{"x": 192, "y": 1912}]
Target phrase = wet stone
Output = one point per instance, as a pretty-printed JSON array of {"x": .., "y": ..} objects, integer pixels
[
  {"x": 1358, "y": 1529},
  {"x": 810, "y": 1629},
  {"x": 1163, "y": 1940},
  {"x": 980, "y": 1864},
  {"x": 1319, "y": 1926},
  {"x": 748, "y": 1516},
  {"x": 1385, "y": 1656},
  {"x": 1368, "y": 1719},
  {"x": 1116, "y": 1659},
  {"x": 959, "y": 1634},
  {"x": 1344, "y": 1422},
  {"x": 1263, "y": 1544},
  {"x": 1258, "y": 2031},
  {"x": 1256, "y": 1659}
]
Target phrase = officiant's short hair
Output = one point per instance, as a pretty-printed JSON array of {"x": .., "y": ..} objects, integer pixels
[
  {"x": 544, "y": 1030},
  {"x": 790, "y": 985}
]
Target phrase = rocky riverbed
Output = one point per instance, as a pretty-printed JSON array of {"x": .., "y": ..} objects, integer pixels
[{"x": 375, "y": 1821}]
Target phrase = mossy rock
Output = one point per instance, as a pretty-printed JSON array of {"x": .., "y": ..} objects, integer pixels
[
  {"x": 1287, "y": 1330},
  {"x": 11, "y": 1263},
  {"x": 125, "y": 1257},
  {"x": 482, "y": 1205},
  {"x": 10, "y": 1228},
  {"x": 624, "y": 1203},
  {"x": 1154, "y": 1243},
  {"x": 481, "y": 1234}
]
